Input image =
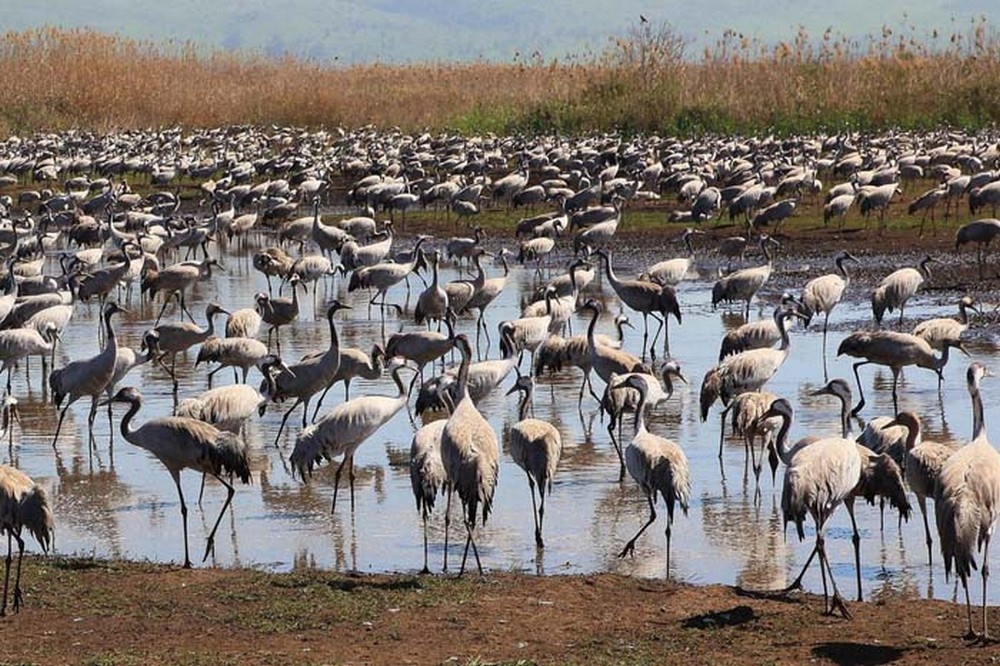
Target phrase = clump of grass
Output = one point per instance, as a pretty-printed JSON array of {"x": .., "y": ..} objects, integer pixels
[{"x": 53, "y": 79}]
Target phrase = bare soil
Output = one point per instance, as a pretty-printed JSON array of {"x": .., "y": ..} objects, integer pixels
[{"x": 99, "y": 612}]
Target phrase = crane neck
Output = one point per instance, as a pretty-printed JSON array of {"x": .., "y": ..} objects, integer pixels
[
  {"x": 400, "y": 387},
  {"x": 963, "y": 314},
  {"x": 978, "y": 422},
  {"x": 503, "y": 262},
  {"x": 480, "y": 279},
  {"x": 126, "y": 424},
  {"x": 434, "y": 268},
  {"x": 462, "y": 385},
  {"x": 612, "y": 278},
  {"x": 782, "y": 439},
  {"x": 334, "y": 340},
  {"x": 845, "y": 416},
  {"x": 839, "y": 263},
  {"x": 767, "y": 253},
  {"x": 112, "y": 340},
  {"x": 781, "y": 320},
  {"x": 925, "y": 268},
  {"x": 640, "y": 409},
  {"x": 620, "y": 325},
  {"x": 524, "y": 406},
  {"x": 687, "y": 243},
  {"x": 591, "y": 327}
]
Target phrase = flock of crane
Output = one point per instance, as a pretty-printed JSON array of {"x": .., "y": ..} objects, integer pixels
[{"x": 264, "y": 190}]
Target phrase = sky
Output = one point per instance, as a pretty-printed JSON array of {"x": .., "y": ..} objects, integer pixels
[{"x": 351, "y": 31}]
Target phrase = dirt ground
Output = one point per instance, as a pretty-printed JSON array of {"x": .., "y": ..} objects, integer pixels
[{"x": 97, "y": 612}]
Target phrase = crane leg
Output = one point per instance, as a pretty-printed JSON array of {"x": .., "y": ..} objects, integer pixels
[
  {"x": 469, "y": 540},
  {"x": 19, "y": 597},
  {"x": 62, "y": 415},
  {"x": 861, "y": 392},
  {"x": 797, "y": 583},
  {"x": 534, "y": 511},
  {"x": 426, "y": 569},
  {"x": 6, "y": 573},
  {"x": 629, "y": 548},
  {"x": 895, "y": 397},
  {"x": 210, "y": 544},
  {"x": 184, "y": 517},
  {"x": 836, "y": 602},
  {"x": 541, "y": 514},
  {"x": 305, "y": 412},
  {"x": 319, "y": 403},
  {"x": 922, "y": 501},
  {"x": 284, "y": 419},
  {"x": 350, "y": 478},
  {"x": 336, "y": 484},
  {"x": 447, "y": 524},
  {"x": 985, "y": 570},
  {"x": 856, "y": 541}
]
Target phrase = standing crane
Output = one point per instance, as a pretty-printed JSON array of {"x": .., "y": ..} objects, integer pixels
[
  {"x": 818, "y": 478},
  {"x": 342, "y": 430},
  {"x": 967, "y": 500},
  {"x": 672, "y": 271},
  {"x": 980, "y": 232},
  {"x": 311, "y": 375},
  {"x": 743, "y": 284},
  {"x": 923, "y": 463},
  {"x": 646, "y": 298},
  {"x": 658, "y": 465},
  {"x": 427, "y": 475},
  {"x": 893, "y": 350},
  {"x": 535, "y": 446},
  {"x": 180, "y": 336},
  {"x": 823, "y": 293},
  {"x": 470, "y": 452},
  {"x": 898, "y": 287},
  {"x": 86, "y": 377},
  {"x": 23, "y": 505},
  {"x": 182, "y": 443}
]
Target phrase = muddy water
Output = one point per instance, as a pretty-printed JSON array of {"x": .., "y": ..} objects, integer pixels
[{"x": 118, "y": 501}]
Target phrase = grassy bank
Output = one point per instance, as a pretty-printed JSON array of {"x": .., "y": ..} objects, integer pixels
[
  {"x": 99, "y": 613},
  {"x": 54, "y": 79}
]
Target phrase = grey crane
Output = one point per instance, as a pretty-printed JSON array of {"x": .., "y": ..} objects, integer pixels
[
  {"x": 880, "y": 477},
  {"x": 433, "y": 301},
  {"x": 342, "y": 430},
  {"x": 980, "y": 232},
  {"x": 535, "y": 446},
  {"x": 427, "y": 475},
  {"x": 898, "y": 287},
  {"x": 354, "y": 363},
  {"x": 967, "y": 500},
  {"x": 743, "y": 284},
  {"x": 87, "y": 377},
  {"x": 923, "y": 463},
  {"x": 308, "y": 377},
  {"x": 658, "y": 465},
  {"x": 182, "y": 443},
  {"x": 818, "y": 478},
  {"x": 23, "y": 505},
  {"x": 648, "y": 299},
  {"x": 893, "y": 350},
  {"x": 278, "y": 312},
  {"x": 822, "y": 294},
  {"x": 177, "y": 337},
  {"x": 469, "y": 452}
]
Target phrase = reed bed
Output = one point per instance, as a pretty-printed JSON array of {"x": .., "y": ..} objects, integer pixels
[{"x": 54, "y": 79}]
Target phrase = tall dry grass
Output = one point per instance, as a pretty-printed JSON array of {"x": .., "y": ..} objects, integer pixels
[{"x": 55, "y": 79}]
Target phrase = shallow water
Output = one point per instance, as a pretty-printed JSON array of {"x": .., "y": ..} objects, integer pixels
[{"x": 120, "y": 502}]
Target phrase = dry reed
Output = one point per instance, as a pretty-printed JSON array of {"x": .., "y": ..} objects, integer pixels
[{"x": 53, "y": 79}]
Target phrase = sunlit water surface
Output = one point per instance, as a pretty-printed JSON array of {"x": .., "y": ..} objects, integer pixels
[{"x": 120, "y": 502}]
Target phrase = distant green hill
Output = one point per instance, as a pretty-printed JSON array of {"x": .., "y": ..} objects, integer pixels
[{"x": 411, "y": 30}]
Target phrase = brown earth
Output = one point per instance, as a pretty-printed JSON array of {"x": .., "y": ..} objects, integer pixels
[{"x": 99, "y": 612}]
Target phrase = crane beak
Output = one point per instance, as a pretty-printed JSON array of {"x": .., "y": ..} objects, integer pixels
[
  {"x": 890, "y": 424},
  {"x": 680, "y": 376},
  {"x": 513, "y": 389},
  {"x": 820, "y": 391}
]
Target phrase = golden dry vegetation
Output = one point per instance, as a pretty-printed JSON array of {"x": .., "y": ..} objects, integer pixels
[{"x": 645, "y": 81}]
